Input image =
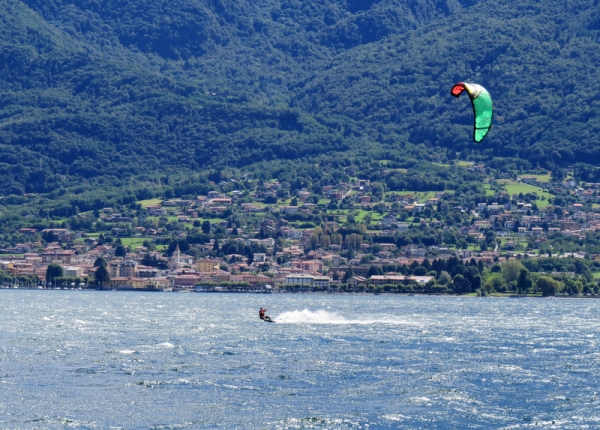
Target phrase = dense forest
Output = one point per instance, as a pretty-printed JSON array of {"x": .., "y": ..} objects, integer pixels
[{"x": 97, "y": 95}]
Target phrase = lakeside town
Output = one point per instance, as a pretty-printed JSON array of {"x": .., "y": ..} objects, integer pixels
[{"x": 526, "y": 233}]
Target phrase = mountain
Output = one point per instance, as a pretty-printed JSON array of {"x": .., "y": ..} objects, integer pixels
[
  {"x": 113, "y": 92},
  {"x": 540, "y": 61}
]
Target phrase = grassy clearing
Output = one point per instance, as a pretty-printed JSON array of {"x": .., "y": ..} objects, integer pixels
[
  {"x": 149, "y": 202},
  {"x": 541, "y": 178},
  {"x": 362, "y": 214},
  {"x": 134, "y": 241},
  {"x": 488, "y": 190},
  {"x": 513, "y": 187},
  {"x": 421, "y": 196}
]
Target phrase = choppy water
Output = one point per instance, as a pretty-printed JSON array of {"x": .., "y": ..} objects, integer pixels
[{"x": 173, "y": 360}]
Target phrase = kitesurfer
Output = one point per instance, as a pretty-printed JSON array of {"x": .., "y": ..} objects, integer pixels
[{"x": 262, "y": 316}]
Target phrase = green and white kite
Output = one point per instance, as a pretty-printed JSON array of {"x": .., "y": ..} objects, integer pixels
[{"x": 482, "y": 107}]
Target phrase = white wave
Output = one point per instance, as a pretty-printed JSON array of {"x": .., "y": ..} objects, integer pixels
[
  {"x": 395, "y": 417},
  {"x": 167, "y": 345},
  {"x": 323, "y": 317},
  {"x": 126, "y": 351}
]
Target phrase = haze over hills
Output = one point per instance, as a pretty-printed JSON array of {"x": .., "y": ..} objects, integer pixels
[{"x": 94, "y": 92}]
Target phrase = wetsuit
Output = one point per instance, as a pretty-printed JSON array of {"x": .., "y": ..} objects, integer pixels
[{"x": 261, "y": 313}]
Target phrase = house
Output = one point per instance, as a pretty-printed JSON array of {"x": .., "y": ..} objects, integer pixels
[
  {"x": 301, "y": 279},
  {"x": 73, "y": 271},
  {"x": 587, "y": 194},
  {"x": 418, "y": 207},
  {"x": 416, "y": 252},
  {"x": 321, "y": 282},
  {"x": 390, "y": 219},
  {"x": 399, "y": 279},
  {"x": 139, "y": 283},
  {"x": 249, "y": 207},
  {"x": 464, "y": 253},
  {"x": 59, "y": 256},
  {"x": 219, "y": 201},
  {"x": 186, "y": 280},
  {"x": 310, "y": 266},
  {"x": 569, "y": 225},
  {"x": 27, "y": 231},
  {"x": 207, "y": 265},
  {"x": 288, "y": 209},
  {"x": 260, "y": 257},
  {"x": 60, "y": 234},
  {"x": 482, "y": 224}
]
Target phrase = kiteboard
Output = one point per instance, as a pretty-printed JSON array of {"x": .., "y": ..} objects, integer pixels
[{"x": 268, "y": 319}]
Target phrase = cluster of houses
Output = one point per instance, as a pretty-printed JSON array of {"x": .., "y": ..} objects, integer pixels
[
  {"x": 302, "y": 272},
  {"x": 299, "y": 263}
]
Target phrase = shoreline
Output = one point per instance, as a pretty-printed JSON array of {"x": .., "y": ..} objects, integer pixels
[{"x": 469, "y": 295}]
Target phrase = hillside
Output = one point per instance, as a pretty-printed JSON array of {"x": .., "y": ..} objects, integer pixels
[
  {"x": 101, "y": 93},
  {"x": 539, "y": 61}
]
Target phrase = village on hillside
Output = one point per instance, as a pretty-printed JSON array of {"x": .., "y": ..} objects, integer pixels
[{"x": 345, "y": 237}]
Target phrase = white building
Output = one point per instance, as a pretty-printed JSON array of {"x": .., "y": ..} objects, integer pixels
[
  {"x": 73, "y": 272},
  {"x": 321, "y": 282},
  {"x": 300, "y": 279}
]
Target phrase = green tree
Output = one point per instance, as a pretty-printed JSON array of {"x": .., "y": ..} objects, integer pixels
[
  {"x": 495, "y": 282},
  {"x": 374, "y": 270},
  {"x": 444, "y": 278},
  {"x": 206, "y": 227},
  {"x": 101, "y": 276},
  {"x": 461, "y": 285},
  {"x": 524, "y": 282},
  {"x": 100, "y": 262},
  {"x": 120, "y": 251},
  {"x": 148, "y": 245},
  {"x": 348, "y": 275},
  {"x": 548, "y": 286},
  {"x": 53, "y": 271},
  {"x": 511, "y": 270}
]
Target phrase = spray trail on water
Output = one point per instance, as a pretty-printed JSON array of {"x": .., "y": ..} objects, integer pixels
[{"x": 323, "y": 317}]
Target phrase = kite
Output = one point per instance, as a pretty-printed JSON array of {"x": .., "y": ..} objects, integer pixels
[{"x": 482, "y": 107}]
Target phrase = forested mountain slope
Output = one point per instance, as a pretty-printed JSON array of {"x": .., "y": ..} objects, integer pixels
[
  {"x": 92, "y": 90},
  {"x": 540, "y": 61}
]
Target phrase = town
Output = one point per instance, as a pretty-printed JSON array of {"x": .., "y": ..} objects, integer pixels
[{"x": 524, "y": 233}]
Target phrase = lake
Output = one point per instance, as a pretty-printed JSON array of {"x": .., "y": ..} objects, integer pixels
[{"x": 88, "y": 359}]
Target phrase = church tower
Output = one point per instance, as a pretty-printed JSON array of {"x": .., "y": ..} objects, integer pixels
[{"x": 174, "y": 263}]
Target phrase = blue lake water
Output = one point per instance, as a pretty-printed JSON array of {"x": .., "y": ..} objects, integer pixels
[{"x": 77, "y": 359}]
